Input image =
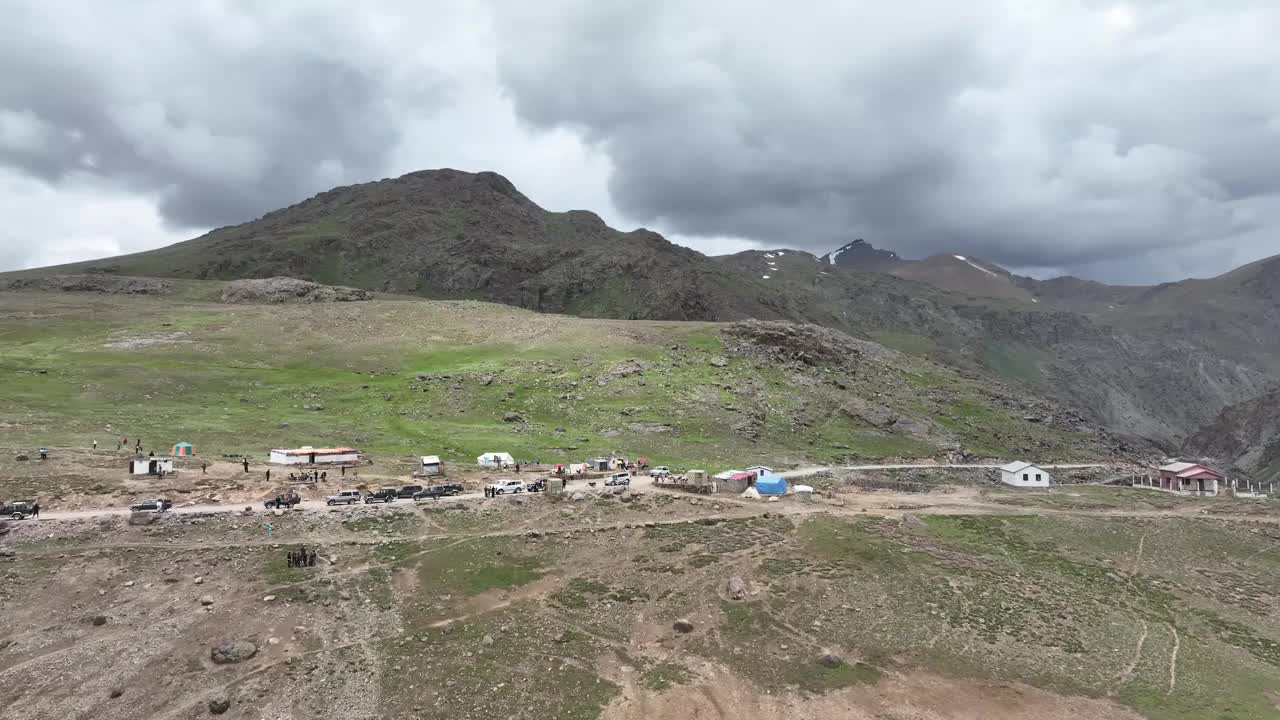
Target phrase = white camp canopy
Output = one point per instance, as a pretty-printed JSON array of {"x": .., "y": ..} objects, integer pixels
[
  {"x": 726, "y": 474},
  {"x": 150, "y": 466},
  {"x": 495, "y": 459}
]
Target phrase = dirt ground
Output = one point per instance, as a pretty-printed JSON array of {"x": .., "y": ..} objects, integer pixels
[{"x": 719, "y": 694}]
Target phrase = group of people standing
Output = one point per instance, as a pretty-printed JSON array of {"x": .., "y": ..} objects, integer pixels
[{"x": 302, "y": 557}]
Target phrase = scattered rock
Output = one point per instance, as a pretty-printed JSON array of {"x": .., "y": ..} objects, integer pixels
[
  {"x": 115, "y": 692},
  {"x": 288, "y": 290},
  {"x": 577, "y": 497},
  {"x": 488, "y": 640},
  {"x": 718, "y": 361},
  {"x": 268, "y": 598},
  {"x": 273, "y": 641},
  {"x": 206, "y": 600},
  {"x": 128, "y": 583},
  {"x": 233, "y": 651},
  {"x": 828, "y": 660},
  {"x": 8, "y": 552},
  {"x": 22, "y": 458},
  {"x": 682, "y": 626},
  {"x": 94, "y": 282},
  {"x": 217, "y": 706},
  {"x": 562, "y": 638},
  {"x": 512, "y": 417},
  {"x": 99, "y": 620},
  {"x": 627, "y": 368},
  {"x": 199, "y": 580},
  {"x": 737, "y": 588}
]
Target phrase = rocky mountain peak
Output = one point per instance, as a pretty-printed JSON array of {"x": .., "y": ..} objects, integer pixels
[{"x": 862, "y": 255}]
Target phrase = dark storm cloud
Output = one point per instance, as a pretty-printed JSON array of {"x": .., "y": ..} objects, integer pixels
[
  {"x": 1121, "y": 135},
  {"x": 224, "y": 110}
]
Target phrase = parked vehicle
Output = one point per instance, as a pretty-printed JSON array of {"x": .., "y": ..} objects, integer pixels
[
  {"x": 504, "y": 487},
  {"x": 344, "y": 497},
  {"x": 18, "y": 509},
  {"x": 621, "y": 478},
  {"x": 438, "y": 491},
  {"x": 536, "y": 486},
  {"x": 287, "y": 500},
  {"x": 382, "y": 495},
  {"x": 157, "y": 505},
  {"x": 660, "y": 472},
  {"x": 408, "y": 491}
]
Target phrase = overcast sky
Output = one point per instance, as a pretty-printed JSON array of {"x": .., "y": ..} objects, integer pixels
[{"x": 1123, "y": 141}]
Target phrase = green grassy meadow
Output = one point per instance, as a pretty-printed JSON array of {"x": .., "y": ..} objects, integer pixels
[{"x": 400, "y": 378}]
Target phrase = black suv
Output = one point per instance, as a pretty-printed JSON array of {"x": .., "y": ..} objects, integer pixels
[
  {"x": 438, "y": 491},
  {"x": 383, "y": 495},
  {"x": 409, "y": 491}
]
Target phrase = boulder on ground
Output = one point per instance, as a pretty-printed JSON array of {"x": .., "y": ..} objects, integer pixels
[
  {"x": 218, "y": 706},
  {"x": 737, "y": 588},
  {"x": 99, "y": 620},
  {"x": 682, "y": 626},
  {"x": 232, "y": 651},
  {"x": 278, "y": 290},
  {"x": 828, "y": 660}
]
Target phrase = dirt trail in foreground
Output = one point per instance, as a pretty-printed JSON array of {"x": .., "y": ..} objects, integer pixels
[{"x": 720, "y": 695}]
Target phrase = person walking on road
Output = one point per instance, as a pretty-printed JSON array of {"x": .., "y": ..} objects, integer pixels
[
  {"x": 246, "y": 464},
  {"x": 95, "y": 444},
  {"x": 35, "y": 511},
  {"x": 204, "y": 468},
  {"x": 268, "y": 474}
]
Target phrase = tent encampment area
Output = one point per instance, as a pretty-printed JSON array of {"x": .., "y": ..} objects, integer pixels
[
  {"x": 771, "y": 485},
  {"x": 184, "y": 449},
  {"x": 495, "y": 459},
  {"x": 150, "y": 466}
]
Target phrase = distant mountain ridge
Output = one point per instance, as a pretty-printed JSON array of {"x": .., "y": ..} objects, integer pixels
[{"x": 1151, "y": 362}]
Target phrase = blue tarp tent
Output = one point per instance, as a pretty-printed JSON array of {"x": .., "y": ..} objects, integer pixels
[{"x": 771, "y": 485}]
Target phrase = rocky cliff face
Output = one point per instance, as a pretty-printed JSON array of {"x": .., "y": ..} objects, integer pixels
[{"x": 1245, "y": 436}]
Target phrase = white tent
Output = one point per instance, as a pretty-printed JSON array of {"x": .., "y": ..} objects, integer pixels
[
  {"x": 430, "y": 464},
  {"x": 150, "y": 466},
  {"x": 495, "y": 459}
]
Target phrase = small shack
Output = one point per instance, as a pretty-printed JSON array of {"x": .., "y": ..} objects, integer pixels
[
  {"x": 150, "y": 466},
  {"x": 771, "y": 485},
  {"x": 495, "y": 460},
  {"x": 184, "y": 449},
  {"x": 1024, "y": 474},
  {"x": 600, "y": 464},
  {"x": 430, "y": 465},
  {"x": 736, "y": 483},
  {"x": 307, "y": 455}
]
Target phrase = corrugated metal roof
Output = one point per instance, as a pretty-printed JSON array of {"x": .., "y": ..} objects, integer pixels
[
  {"x": 430, "y": 460},
  {"x": 1178, "y": 467},
  {"x": 1198, "y": 470}
]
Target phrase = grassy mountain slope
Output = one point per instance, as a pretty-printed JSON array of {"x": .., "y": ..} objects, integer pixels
[
  {"x": 1157, "y": 365},
  {"x": 462, "y": 378}
]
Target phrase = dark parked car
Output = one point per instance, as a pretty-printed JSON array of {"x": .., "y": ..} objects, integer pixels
[
  {"x": 158, "y": 505},
  {"x": 18, "y": 509},
  {"x": 409, "y": 491},
  {"x": 383, "y": 495},
  {"x": 438, "y": 491},
  {"x": 283, "y": 501},
  {"x": 536, "y": 486}
]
